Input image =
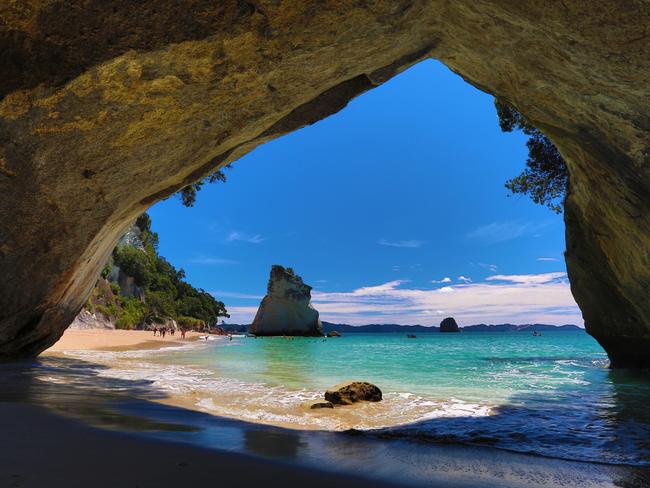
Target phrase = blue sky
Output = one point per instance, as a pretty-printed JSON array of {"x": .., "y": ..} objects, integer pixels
[{"x": 394, "y": 210}]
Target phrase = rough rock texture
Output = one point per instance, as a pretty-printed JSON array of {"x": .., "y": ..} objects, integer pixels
[
  {"x": 449, "y": 325},
  {"x": 317, "y": 404},
  {"x": 127, "y": 283},
  {"x": 333, "y": 333},
  {"x": 107, "y": 107},
  {"x": 87, "y": 320},
  {"x": 286, "y": 308},
  {"x": 351, "y": 392}
]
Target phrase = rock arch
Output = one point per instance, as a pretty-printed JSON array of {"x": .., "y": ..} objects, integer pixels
[{"x": 107, "y": 107}]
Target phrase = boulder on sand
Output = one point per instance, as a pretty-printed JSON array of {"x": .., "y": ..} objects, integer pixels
[
  {"x": 286, "y": 309},
  {"x": 317, "y": 404},
  {"x": 351, "y": 392},
  {"x": 449, "y": 325}
]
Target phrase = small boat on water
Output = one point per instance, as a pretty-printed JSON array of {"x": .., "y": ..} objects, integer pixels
[
  {"x": 536, "y": 333},
  {"x": 411, "y": 336}
]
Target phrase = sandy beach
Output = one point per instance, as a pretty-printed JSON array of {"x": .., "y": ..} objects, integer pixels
[
  {"x": 82, "y": 427},
  {"x": 58, "y": 452},
  {"x": 117, "y": 340}
]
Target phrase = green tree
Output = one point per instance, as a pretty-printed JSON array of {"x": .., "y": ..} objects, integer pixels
[
  {"x": 188, "y": 193},
  {"x": 166, "y": 293},
  {"x": 545, "y": 177},
  {"x": 134, "y": 262}
]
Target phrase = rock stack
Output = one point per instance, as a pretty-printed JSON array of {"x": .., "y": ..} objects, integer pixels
[
  {"x": 449, "y": 325},
  {"x": 286, "y": 309}
]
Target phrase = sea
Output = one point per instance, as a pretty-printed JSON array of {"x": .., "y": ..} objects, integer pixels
[{"x": 550, "y": 396}]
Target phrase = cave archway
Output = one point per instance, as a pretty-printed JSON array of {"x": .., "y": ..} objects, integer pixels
[{"x": 106, "y": 109}]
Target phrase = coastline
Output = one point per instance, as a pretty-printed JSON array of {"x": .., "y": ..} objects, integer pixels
[
  {"x": 145, "y": 436},
  {"x": 235, "y": 399},
  {"x": 69, "y": 454},
  {"x": 116, "y": 340}
]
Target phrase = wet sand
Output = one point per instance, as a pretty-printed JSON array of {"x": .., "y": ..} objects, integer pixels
[
  {"x": 117, "y": 340},
  {"x": 77, "y": 441},
  {"x": 42, "y": 449}
]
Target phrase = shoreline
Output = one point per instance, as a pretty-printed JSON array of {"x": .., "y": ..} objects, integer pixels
[
  {"x": 117, "y": 340},
  {"x": 217, "y": 399},
  {"x": 72, "y": 452},
  {"x": 94, "y": 426},
  {"x": 69, "y": 454},
  {"x": 238, "y": 404}
]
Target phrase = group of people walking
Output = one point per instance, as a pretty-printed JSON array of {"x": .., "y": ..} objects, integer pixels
[{"x": 162, "y": 331}]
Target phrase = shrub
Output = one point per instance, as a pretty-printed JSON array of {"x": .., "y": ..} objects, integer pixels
[{"x": 132, "y": 313}]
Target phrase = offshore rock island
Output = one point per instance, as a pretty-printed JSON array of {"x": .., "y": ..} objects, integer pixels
[
  {"x": 449, "y": 325},
  {"x": 286, "y": 309}
]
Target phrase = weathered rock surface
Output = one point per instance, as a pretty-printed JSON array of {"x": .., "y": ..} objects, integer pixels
[
  {"x": 317, "y": 404},
  {"x": 107, "y": 107},
  {"x": 87, "y": 320},
  {"x": 286, "y": 309},
  {"x": 333, "y": 333},
  {"x": 351, "y": 392},
  {"x": 449, "y": 325}
]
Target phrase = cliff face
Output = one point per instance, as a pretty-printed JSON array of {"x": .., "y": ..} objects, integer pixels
[
  {"x": 286, "y": 308},
  {"x": 108, "y": 107}
]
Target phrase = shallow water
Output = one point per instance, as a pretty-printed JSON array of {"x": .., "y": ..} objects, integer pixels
[{"x": 551, "y": 396}]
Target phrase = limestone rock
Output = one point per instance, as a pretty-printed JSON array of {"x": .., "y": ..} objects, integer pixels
[
  {"x": 99, "y": 122},
  {"x": 317, "y": 404},
  {"x": 449, "y": 325},
  {"x": 286, "y": 309},
  {"x": 87, "y": 320},
  {"x": 333, "y": 333},
  {"x": 351, "y": 392}
]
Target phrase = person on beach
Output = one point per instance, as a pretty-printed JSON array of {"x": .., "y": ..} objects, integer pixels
[
  {"x": 182, "y": 333},
  {"x": 163, "y": 331},
  {"x": 154, "y": 331}
]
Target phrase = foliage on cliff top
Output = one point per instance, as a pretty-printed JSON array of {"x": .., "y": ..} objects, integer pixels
[
  {"x": 166, "y": 293},
  {"x": 188, "y": 194},
  {"x": 545, "y": 178}
]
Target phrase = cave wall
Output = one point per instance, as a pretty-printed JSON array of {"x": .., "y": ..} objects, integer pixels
[{"x": 108, "y": 107}]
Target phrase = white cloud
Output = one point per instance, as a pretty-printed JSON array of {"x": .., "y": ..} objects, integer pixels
[
  {"x": 541, "y": 300},
  {"x": 526, "y": 298},
  {"x": 547, "y": 259},
  {"x": 496, "y": 232},
  {"x": 211, "y": 261},
  {"x": 545, "y": 299},
  {"x": 464, "y": 279},
  {"x": 528, "y": 279},
  {"x": 405, "y": 243},
  {"x": 241, "y": 315},
  {"x": 491, "y": 267},
  {"x": 243, "y": 237},
  {"x": 446, "y": 279}
]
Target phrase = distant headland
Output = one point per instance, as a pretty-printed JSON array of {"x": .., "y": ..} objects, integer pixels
[{"x": 422, "y": 329}]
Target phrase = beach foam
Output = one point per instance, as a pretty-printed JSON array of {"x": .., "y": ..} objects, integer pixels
[{"x": 559, "y": 404}]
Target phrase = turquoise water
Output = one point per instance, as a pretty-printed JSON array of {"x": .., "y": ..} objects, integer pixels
[
  {"x": 551, "y": 395},
  {"x": 472, "y": 366}
]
